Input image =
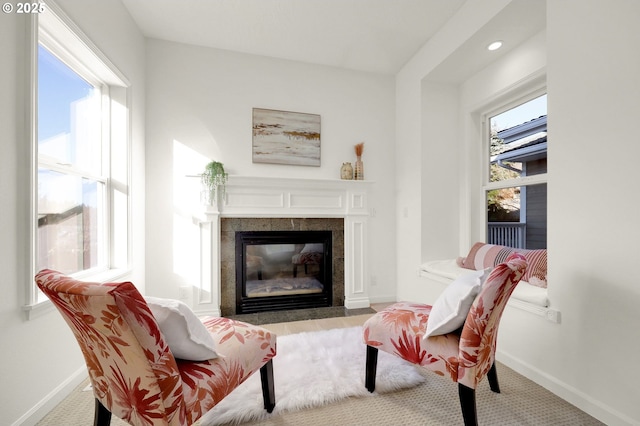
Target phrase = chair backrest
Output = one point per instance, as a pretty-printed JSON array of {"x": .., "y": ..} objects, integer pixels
[
  {"x": 478, "y": 339},
  {"x": 133, "y": 373}
]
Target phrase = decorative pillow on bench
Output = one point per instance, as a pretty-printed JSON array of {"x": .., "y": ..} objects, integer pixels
[{"x": 484, "y": 255}]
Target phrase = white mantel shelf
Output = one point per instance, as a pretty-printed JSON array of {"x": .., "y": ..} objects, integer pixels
[
  {"x": 275, "y": 181},
  {"x": 247, "y": 196},
  {"x": 286, "y": 197}
]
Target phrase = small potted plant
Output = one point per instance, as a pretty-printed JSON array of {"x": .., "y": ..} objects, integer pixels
[{"x": 213, "y": 180}]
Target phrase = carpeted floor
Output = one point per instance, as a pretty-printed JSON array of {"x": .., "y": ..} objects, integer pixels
[
  {"x": 434, "y": 402},
  {"x": 313, "y": 369}
]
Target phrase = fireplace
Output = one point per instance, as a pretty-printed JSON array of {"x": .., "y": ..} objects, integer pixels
[
  {"x": 236, "y": 232},
  {"x": 279, "y": 270},
  {"x": 283, "y": 204}
]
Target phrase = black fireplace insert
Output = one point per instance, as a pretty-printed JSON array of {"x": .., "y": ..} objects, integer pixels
[{"x": 280, "y": 270}]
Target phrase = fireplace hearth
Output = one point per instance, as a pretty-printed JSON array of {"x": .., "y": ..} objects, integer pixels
[{"x": 280, "y": 270}]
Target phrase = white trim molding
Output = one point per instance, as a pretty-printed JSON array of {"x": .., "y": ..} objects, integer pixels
[{"x": 263, "y": 197}]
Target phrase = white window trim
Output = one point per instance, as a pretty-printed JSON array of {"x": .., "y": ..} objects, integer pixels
[
  {"x": 514, "y": 97},
  {"x": 54, "y": 23},
  {"x": 525, "y": 180}
]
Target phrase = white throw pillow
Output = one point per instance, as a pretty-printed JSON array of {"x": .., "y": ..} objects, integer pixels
[
  {"x": 450, "y": 310},
  {"x": 185, "y": 334}
]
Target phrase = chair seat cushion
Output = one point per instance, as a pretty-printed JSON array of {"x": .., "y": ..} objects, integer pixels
[
  {"x": 399, "y": 330},
  {"x": 242, "y": 349}
]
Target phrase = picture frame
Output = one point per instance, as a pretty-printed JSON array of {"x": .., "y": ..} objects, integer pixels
[{"x": 285, "y": 137}]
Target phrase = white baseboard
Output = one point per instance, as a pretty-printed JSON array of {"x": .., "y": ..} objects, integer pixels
[
  {"x": 594, "y": 408},
  {"x": 357, "y": 303},
  {"x": 383, "y": 299},
  {"x": 55, "y": 397}
]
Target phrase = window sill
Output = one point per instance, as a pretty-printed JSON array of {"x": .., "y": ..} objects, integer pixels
[
  {"x": 38, "y": 309},
  {"x": 548, "y": 313}
]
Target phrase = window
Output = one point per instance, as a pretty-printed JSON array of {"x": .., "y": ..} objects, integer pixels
[
  {"x": 516, "y": 179},
  {"x": 80, "y": 161},
  {"x": 71, "y": 179}
]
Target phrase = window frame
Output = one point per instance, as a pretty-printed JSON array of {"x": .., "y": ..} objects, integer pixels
[
  {"x": 61, "y": 36},
  {"x": 514, "y": 99}
]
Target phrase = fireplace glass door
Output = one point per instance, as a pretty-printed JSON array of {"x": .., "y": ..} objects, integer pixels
[{"x": 278, "y": 270}]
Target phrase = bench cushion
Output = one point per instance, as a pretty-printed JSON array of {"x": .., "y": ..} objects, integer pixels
[{"x": 449, "y": 270}]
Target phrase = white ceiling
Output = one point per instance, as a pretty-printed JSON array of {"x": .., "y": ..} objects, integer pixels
[
  {"x": 367, "y": 35},
  {"x": 377, "y": 36},
  {"x": 516, "y": 23}
]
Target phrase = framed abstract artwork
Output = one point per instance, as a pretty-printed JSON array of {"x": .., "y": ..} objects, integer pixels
[{"x": 284, "y": 137}]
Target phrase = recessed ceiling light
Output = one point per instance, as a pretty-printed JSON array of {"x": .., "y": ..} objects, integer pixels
[{"x": 495, "y": 45}]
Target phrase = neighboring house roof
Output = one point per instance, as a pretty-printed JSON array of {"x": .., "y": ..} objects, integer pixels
[
  {"x": 530, "y": 151},
  {"x": 523, "y": 130},
  {"x": 524, "y": 142}
]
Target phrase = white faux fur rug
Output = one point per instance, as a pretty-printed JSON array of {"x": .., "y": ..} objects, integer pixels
[{"x": 312, "y": 369}]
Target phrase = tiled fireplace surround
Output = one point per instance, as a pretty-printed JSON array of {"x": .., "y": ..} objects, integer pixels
[
  {"x": 229, "y": 227},
  {"x": 258, "y": 204}
]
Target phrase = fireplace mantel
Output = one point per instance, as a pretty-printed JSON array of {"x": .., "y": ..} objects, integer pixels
[{"x": 262, "y": 197}]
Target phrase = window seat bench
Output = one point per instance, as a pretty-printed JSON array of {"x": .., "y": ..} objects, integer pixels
[
  {"x": 445, "y": 271},
  {"x": 530, "y": 294}
]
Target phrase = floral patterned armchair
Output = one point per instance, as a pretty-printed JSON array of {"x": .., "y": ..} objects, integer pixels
[
  {"x": 466, "y": 355},
  {"x": 132, "y": 370}
]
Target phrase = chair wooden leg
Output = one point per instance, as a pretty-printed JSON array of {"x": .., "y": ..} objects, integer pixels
[
  {"x": 268, "y": 390},
  {"x": 102, "y": 416},
  {"x": 468, "y": 405},
  {"x": 492, "y": 376},
  {"x": 371, "y": 366}
]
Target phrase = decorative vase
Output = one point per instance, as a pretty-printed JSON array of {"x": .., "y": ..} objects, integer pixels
[
  {"x": 359, "y": 173},
  {"x": 346, "y": 171}
]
